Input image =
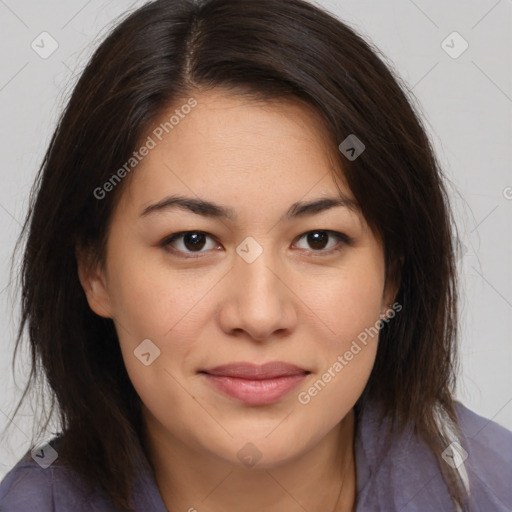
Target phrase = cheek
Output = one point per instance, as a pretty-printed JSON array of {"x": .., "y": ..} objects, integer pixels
[
  {"x": 332, "y": 393},
  {"x": 148, "y": 304},
  {"x": 150, "y": 297},
  {"x": 169, "y": 318},
  {"x": 350, "y": 307},
  {"x": 349, "y": 301}
]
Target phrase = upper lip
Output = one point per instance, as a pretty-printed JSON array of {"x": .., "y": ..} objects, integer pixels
[{"x": 253, "y": 371}]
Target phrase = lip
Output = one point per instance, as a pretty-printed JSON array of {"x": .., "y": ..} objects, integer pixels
[{"x": 255, "y": 384}]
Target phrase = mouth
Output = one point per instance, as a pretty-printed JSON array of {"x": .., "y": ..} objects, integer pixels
[{"x": 255, "y": 384}]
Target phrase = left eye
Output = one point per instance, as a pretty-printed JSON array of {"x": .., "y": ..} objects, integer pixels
[
  {"x": 191, "y": 242},
  {"x": 318, "y": 240}
]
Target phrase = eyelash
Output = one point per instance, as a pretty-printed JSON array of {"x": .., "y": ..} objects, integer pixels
[{"x": 341, "y": 237}]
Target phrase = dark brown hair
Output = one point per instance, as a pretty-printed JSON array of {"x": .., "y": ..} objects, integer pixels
[{"x": 270, "y": 49}]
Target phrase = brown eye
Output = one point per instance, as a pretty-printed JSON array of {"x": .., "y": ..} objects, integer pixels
[
  {"x": 188, "y": 242},
  {"x": 318, "y": 241},
  {"x": 194, "y": 241}
]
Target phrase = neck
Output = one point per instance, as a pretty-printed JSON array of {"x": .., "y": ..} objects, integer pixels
[{"x": 189, "y": 479}]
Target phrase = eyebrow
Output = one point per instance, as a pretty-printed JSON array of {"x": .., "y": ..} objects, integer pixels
[{"x": 213, "y": 210}]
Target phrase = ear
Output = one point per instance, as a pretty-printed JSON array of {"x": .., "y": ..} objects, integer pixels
[
  {"x": 392, "y": 284},
  {"x": 93, "y": 281}
]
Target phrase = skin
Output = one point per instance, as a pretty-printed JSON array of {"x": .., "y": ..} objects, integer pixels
[{"x": 291, "y": 304}]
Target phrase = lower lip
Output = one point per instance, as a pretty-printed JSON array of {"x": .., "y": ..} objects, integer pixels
[{"x": 255, "y": 392}]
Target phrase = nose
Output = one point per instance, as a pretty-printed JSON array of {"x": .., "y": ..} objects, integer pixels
[{"x": 258, "y": 300}]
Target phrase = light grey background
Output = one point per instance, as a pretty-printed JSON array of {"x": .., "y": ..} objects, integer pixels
[{"x": 466, "y": 102}]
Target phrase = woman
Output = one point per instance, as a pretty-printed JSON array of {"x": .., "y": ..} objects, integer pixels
[{"x": 239, "y": 280}]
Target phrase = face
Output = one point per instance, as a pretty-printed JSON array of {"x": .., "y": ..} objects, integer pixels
[{"x": 257, "y": 279}]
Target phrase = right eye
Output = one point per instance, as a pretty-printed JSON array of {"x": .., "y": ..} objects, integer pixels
[{"x": 189, "y": 242}]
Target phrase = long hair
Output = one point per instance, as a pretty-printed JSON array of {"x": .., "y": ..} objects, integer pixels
[{"x": 268, "y": 49}]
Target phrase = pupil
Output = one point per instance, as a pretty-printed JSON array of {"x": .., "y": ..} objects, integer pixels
[
  {"x": 317, "y": 240},
  {"x": 193, "y": 241}
]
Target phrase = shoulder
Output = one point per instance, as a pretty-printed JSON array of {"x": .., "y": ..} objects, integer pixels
[
  {"x": 56, "y": 488},
  {"x": 402, "y": 472},
  {"x": 479, "y": 430},
  {"x": 486, "y": 455}
]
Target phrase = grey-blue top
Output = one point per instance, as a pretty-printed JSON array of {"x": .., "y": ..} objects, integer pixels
[{"x": 402, "y": 477}]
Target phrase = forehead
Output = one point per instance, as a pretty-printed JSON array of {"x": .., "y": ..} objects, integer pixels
[{"x": 239, "y": 149}]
